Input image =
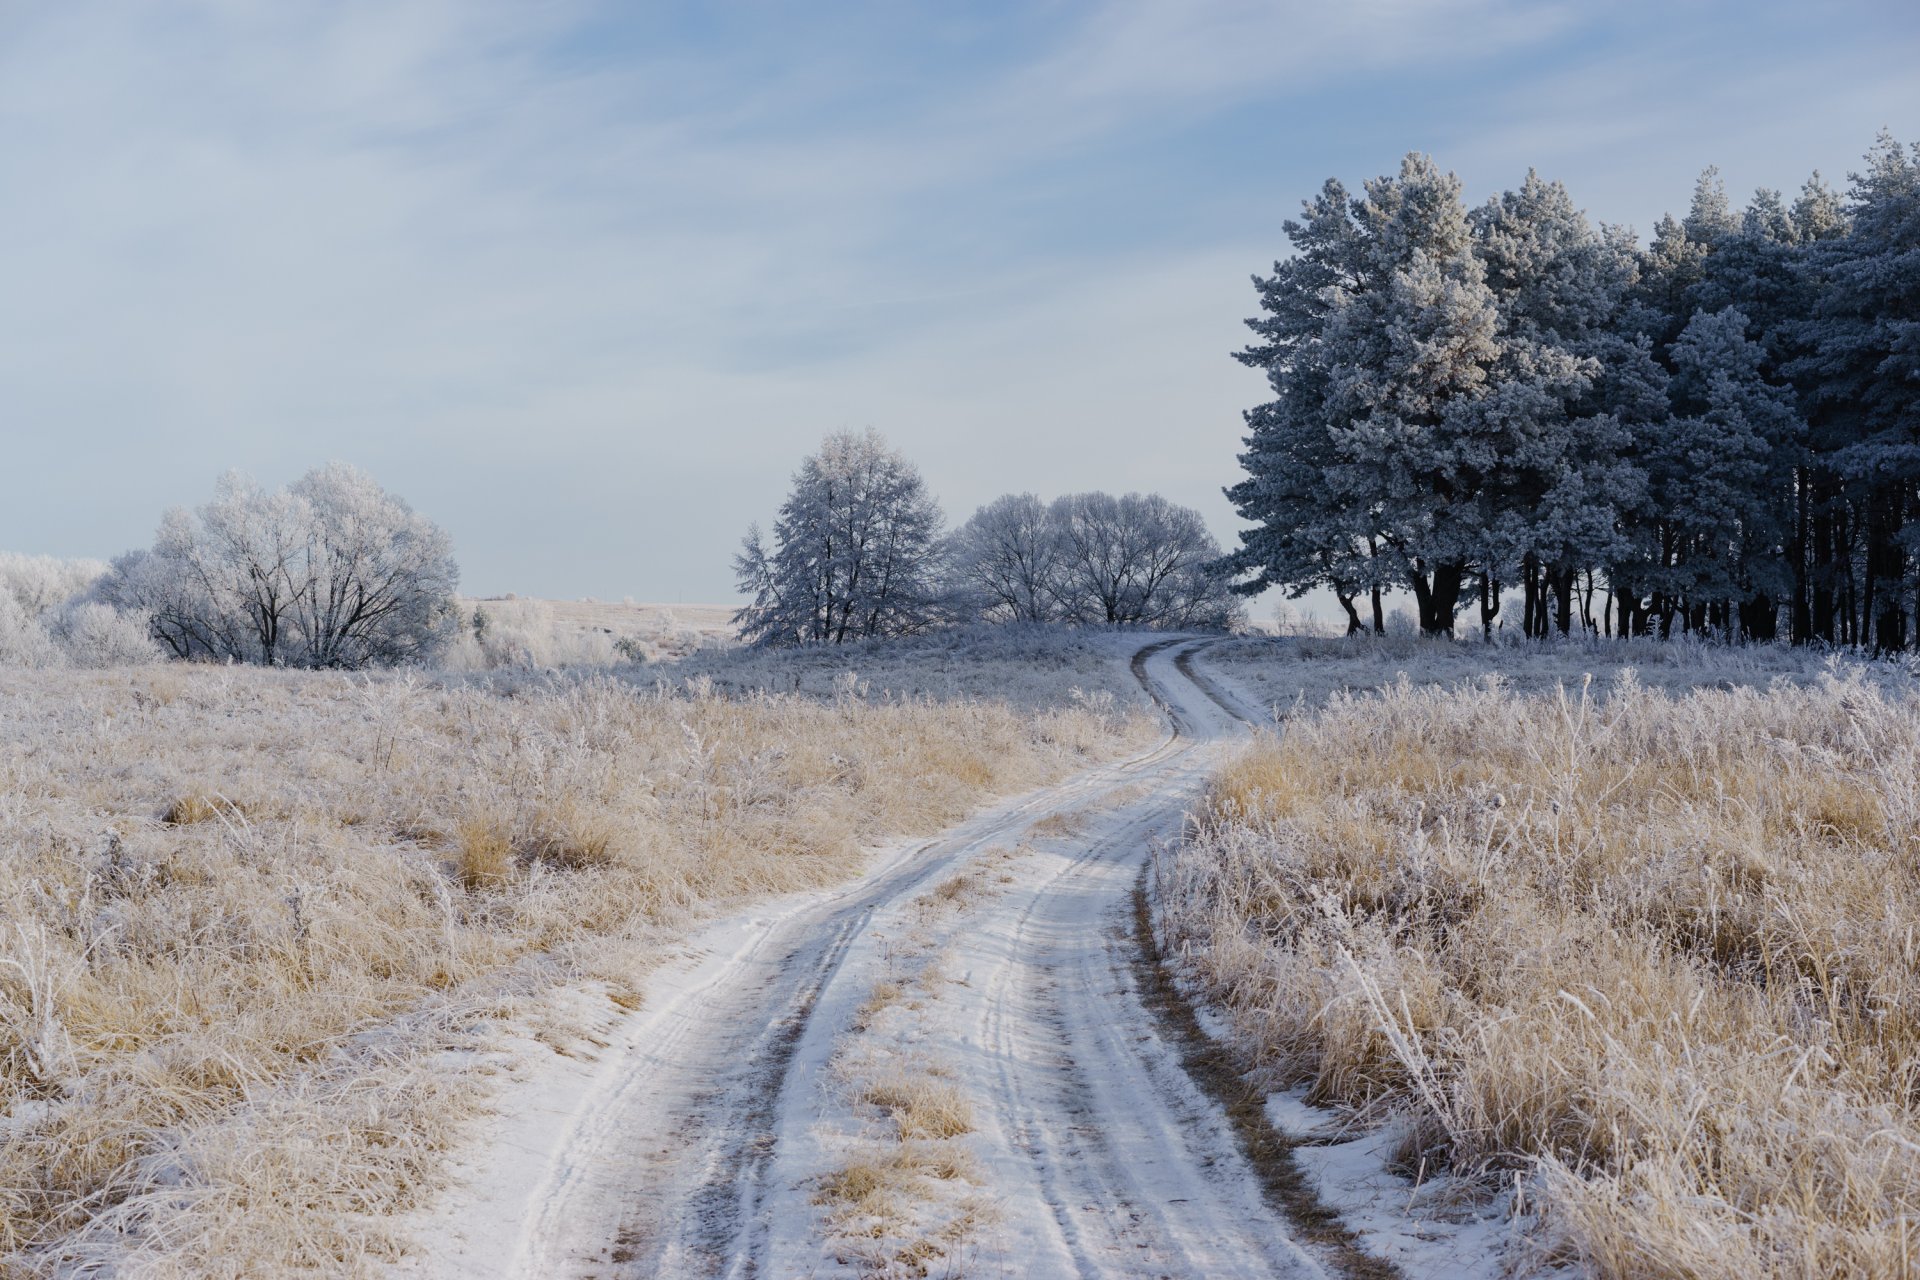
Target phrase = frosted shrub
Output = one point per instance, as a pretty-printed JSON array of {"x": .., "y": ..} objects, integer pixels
[
  {"x": 525, "y": 633},
  {"x": 98, "y": 635},
  {"x": 331, "y": 572},
  {"x": 39, "y": 583},
  {"x": 23, "y": 641}
]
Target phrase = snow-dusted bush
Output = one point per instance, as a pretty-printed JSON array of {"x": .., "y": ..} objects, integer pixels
[
  {"x": 40, "y": 583},
  {"x": 48, "y": 618},
  {"x": 23, "y": 641},
  {"x": 525, "y": 633},
  {"x": 91, "y": 634}
]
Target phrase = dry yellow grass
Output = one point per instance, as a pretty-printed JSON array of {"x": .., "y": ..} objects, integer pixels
[
  {"x": 1067, "y": 822},
  {"x": 921, "y": 1106},
  {"x": 243, "y": 914},
  {"x": 1657, "y": 957}
]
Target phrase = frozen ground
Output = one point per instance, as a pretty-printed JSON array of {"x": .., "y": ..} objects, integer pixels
[{"x": 767, "y": 1111}]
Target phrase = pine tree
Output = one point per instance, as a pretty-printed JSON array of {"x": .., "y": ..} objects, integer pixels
[
  {"x": 1564, "y": 485},
  {"x": 1314, "y": 516},
  {"x": 1860, "y": 379}
]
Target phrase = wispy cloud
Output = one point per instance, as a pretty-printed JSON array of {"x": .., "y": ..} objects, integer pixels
[{"x": 584, "y": 280}]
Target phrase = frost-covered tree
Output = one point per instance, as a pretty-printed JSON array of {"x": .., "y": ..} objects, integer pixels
[
  {"x": 331, "y": 572},
  {"x": 1006, "y": 561},
  {"x": 42, "y": 583},
  {"x": 1137, "y": 560},
  {"x": 376, "y": 582},
  {"x": 1316, "y": 519},
  {"x": 855, "y": 551},
  {"x": 1720, "y": 429},
  {"x": 1718, "y": 481},
  {"x": 1859, "y": 375},
  {"x": 1398, "y": 400},
  {"x": 1560, "y": 482}
]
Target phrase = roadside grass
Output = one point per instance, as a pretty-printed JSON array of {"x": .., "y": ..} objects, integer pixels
[
  {"x": 254, "y": 924},
  {"x": 1649, "y": 959}
]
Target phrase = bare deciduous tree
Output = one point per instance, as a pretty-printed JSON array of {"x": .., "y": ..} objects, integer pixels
[
  {"x": 1137, "y": 560},
  {"x": 1006, "y": 559},
  {"x": 332, "y": 572}
]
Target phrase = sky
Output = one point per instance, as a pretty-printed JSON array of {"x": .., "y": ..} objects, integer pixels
[{"x": 583, "y": 282}]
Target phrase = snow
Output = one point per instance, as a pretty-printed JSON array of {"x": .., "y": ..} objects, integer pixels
[{"x": 699, "y": 1139}]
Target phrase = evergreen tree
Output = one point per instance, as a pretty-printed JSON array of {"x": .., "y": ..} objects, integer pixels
[
  {"x": 1723, "y": 429},
  {"x": 1860, "y": 379}
]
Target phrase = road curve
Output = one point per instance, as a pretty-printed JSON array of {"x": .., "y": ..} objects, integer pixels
[{"x": 1104, "y": 1157}]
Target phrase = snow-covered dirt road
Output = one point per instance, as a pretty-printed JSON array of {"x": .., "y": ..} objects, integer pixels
[{"x": 699, "y": 1143}]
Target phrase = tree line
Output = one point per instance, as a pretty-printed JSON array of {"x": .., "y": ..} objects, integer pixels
[
  {"x": 1718, "y": 432},
  {"x": 859, "y": 550}
]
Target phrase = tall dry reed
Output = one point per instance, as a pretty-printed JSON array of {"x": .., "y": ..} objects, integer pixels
[{"x": 1655, "y": 958}]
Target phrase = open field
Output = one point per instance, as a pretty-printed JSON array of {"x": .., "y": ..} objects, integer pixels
[
  {"x": 1285, "y": 674},
  {"x": 258, "y": 924},
  {"x": 507, "y": 631},
  {"x": 518, "y": 971},
  {"x": 1643, "y": 961}
]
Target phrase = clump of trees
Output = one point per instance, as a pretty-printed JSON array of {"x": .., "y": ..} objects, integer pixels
[
  {"x": 1718, "y": 431},
  {"x": 331, "y": 572},
  {"x": 1092, "y": 559},
  {"x": 859, "y": 550}
]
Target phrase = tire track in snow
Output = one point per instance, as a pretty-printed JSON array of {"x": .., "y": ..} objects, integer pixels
[{"x": 691, "y": 1157}]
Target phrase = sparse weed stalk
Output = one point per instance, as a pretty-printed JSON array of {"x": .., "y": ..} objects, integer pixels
[{"x": 1654, "y": 954}]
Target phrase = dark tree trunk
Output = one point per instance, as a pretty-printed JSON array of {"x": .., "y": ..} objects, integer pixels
[
  {"x": 1442, "y": 598},
  {"x": 1353, "y": 616},
  {"x": 1533, "y": 624},
  {"x": 1801, "y": 626},
  {"x": 1886, "y": 573},
  {"x": 1489, "y": 604},
  {"x": 1562, "y": 579}
]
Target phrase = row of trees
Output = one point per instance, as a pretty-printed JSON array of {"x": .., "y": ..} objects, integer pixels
[
  {"x": 858, "y": 550},
  {"x": 331, "y": 572},
  {"x": 1719, "y": 431}
]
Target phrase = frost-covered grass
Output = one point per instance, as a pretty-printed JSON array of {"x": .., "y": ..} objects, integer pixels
[
  {"x": 1284, "y": 673},
  {"x": 1027, "y": 666},
  {"x": 254, "y": 924},
  {"x": 1652, "y": 957},
  {"x": 580, "y": 634}
]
